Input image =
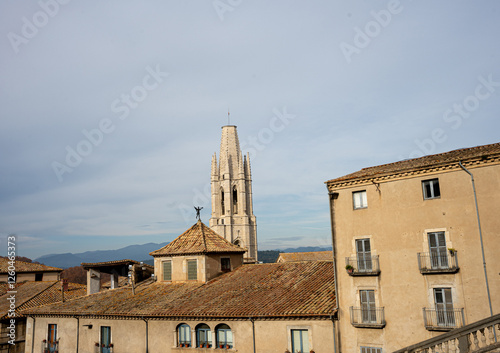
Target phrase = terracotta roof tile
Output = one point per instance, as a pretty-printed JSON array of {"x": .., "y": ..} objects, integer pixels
[
  {"x": 34, "y": 294},
  {"x": 305, "y": 256},
  {"x": 263, "y": 290},
  {"x": 199, "y": 239},
  {"x": 453, "y": 157},
  {"x": 22, "y": 266}
]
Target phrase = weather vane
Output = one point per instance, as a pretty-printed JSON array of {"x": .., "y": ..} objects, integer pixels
[{"x": 198, "y": 209}]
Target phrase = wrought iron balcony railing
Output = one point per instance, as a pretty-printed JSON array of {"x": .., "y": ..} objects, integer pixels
[
  {"x": 443, "y": 320},
  {"x": 370, "y": 317},
  {"x": 362, "y": 266},
  {"x": 433, "y": 263}
]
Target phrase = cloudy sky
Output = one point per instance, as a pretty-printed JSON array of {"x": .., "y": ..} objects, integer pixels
[{"x": 111, "y": 110}]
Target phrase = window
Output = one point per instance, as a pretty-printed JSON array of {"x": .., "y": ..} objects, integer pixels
[
  {"x": 235, "y": 200},
  {"x": 444, "y": 307},
  {"x": 300, "y": 341},
  {"x": 224, "y": 336},
  {"x": 38, "y": 277},
  {"x": 437, "y": 250},
  {"x": 371, "y": 350},
  {"x": 203, "y": 336},
  {"x": 225, "y": 264},
  {"x": 184, "y": 332},
  {"x": 359, "y": 199},
  {"x": 368, "y": 310},
  {"x": 223, "y": 210},
  {"x": 431, "y": 189},
  {"x": 105, "y": 339},
  {"x": 192, "y": 269},
  {"x": 364, "y": 255},
  {"x": 167, "y": 270},
  {"x": 52, "y": 338}
]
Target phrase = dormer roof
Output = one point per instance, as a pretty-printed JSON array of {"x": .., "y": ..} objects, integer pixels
[{"x": 199, "y": 239}]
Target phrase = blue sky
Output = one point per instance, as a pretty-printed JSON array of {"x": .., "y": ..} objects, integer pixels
[{"x": 111, "y": 110}]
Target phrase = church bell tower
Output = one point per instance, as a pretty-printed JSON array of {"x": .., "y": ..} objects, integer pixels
[{"x": 232, "y": 207}]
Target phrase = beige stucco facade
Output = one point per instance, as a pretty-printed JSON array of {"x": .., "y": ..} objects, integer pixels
[
  {"x": 129, "y": 336},
  {"x": 32, "y": 276},
  {"x": 398, "y": 222},
  {"x": 208, "y": 266}
]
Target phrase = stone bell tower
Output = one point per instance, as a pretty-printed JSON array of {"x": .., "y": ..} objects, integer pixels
[{"x": 232, "y": 207}]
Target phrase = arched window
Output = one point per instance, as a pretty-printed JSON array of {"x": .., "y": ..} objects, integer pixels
[
  {"x": 237, "y": 242},
  {"x": 203, "y": 336},
  {"x": 184, "y": 334},
  {"x": 223, "y": 210},
  {"x": 224, "y": 336},
  {"x": 235, "y": 200}
]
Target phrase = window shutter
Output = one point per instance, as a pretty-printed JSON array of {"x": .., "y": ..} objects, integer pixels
[
  {"x": 167, "y": 270},
  {"x": 192, "y": 269}
]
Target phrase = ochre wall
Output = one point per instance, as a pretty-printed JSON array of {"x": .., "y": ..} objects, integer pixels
[
  {"x": 397, "y": 221},
  {"x": 128, "y": 336}
]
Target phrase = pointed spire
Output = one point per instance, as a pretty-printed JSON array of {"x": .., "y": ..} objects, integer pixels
[{"x": 215, "y": 171}]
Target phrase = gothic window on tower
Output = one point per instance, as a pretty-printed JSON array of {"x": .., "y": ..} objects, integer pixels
[
  {"x": 235, "y": 200},
  {"x": 223, "y": 210}
]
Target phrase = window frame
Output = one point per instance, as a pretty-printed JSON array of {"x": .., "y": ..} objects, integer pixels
[
  {"x": 226, "y": 329},
  {"x": 227, "y": 267},
  {"x": 180, "y": 330},
  {"x": 101, "y": 348},
  {"x": 303, "y": 348},
  {"x": 364, "y": 256},
  {"x": 52, "y": 341},
  {"x": 203, "y": 328},
  {"x": 363, "y": 200},
  {"x": 433, "y": 186}
]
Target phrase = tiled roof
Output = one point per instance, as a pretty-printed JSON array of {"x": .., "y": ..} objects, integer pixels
[
  {"x": 199, "y": 239},
  {"x": 22, "y": 266},
  {"x": 34, "y": 294},
  {"x": 305, "y": 256},
  {"x": 479, "y": 153},
  {"x": 108, "y": 263},
  {"x": 293, "y": 289}
]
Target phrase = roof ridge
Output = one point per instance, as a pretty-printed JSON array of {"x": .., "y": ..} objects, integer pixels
[{"x": 203, "y": 235}]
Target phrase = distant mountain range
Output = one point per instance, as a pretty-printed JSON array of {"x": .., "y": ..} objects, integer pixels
[
  {"x": 141, "y": 253},
  {"x": 132, "y": 252}
]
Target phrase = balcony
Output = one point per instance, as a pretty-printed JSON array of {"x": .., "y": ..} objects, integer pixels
[
  {"x": 367, "y": 318},
  {"x": 436, "y": 263},
  {"x": 362, "y": 266},
  {"x": 443, "y": 320}
]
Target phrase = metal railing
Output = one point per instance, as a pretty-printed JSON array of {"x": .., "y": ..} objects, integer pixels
[
  {"x": 371, "y": 317},
  {"x": 363, "y": 265},
  {"x": 429, "y": 263},
  {"x": 443, "y": 320}
]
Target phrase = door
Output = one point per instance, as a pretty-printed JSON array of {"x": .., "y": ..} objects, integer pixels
[
  {"x": 437, "y": 250},
  {"x": 52, "y": 339},
  {"x": 105, "y": 339},
  {"x": 364, "y": 255},
  {"x": 444, "y": 307},
  {"x": 368, "y": 310}
]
